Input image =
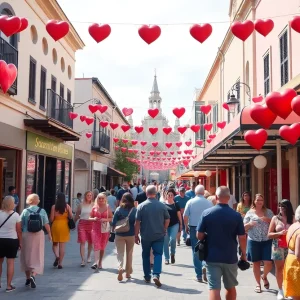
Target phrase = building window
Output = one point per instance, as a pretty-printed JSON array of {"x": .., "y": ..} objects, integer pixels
[
  {"x": 69, "y": 96},
  {"x": 43, "y": 87},
  {"x": 32, "y": 79},
  {"x": 215, "y": 117},
  {"x": 62, "y": 91},
  {"x": 284, "y": 58},
  {"x": 267, "y": 74}
]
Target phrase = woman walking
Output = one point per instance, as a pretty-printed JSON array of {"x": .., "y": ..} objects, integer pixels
[
  {"x": 259, "y": 246},
  {"x": 175, "y": 226},
  {"x": 101, "y": 215},
  {"x": 85, "y": 225},
  {"x": 277, "y": 231},
  {"x": 10, "y": 238},
  {"x": 59, "y": 217},
  {"x": 245, "y": 204},
  {"x": 125, "y": 240},
  {"x": 33, "y": 242}
]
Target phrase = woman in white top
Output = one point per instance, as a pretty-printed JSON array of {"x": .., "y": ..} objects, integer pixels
[
  {"x": 85, "y": 226},
  {"x": 10, "y": 238}
]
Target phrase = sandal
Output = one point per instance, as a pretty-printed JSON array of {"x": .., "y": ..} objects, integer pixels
[
  {"x": 257, "y": 289},
  {"x": 82, "y": 264},
  {"x": 12, "y": 288},
  {"x": 266, "y": 282}
]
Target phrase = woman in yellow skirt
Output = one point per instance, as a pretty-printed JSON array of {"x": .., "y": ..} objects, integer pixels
[
  {"x": 60, "y": 214},
  {"x": 291, "y": 273}
]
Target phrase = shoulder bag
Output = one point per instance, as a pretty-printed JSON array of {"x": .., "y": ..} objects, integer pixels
[
  {"x": 105, "y": 226},
  {"x": 201, "y": 249},
  {"x": 123, "y": 225},
  {"x": 7, "y": 219},
  {"x": 71, "y": 222}
]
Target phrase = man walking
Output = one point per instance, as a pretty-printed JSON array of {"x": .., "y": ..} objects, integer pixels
[
  {"x": 125, "y": 189},
  {"x": 223, "y": 226},
  {"x": 192, "y": 213},
  {"x": 152, "y": 221}
]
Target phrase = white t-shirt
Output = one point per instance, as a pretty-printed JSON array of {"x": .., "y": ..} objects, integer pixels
[
  {"x": 8, "y": 230},
  {"x": 232, "y": 201}
]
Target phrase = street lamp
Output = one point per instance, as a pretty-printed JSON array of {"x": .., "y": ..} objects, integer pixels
[{"x": 233, "y": 104}]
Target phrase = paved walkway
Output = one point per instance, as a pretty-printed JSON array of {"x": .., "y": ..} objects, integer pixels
[{"x": 76, "y": 283}]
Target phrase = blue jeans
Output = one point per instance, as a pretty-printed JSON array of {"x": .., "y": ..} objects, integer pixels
[
  {"x": 170, "y": 237},
  {"x": 157, "y": 247},
  {"x": 196, "y": 261},
  {"x": 184, "y": 234}
]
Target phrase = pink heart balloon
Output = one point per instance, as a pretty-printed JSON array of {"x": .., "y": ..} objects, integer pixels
[{"x": 8, "y": 75}]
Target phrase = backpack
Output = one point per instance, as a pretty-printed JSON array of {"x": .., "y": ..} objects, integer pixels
[{"x": 34, "y": 223}]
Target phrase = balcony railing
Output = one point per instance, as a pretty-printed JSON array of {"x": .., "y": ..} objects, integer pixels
[
  {"x": 9, "y": 54},
  {"x": 58, "y": 108},
  {"x": 101, "y": 142}
]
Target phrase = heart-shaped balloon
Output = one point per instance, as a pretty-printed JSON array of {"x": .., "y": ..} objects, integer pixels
[
  {"x": 113, "y": 126},
  {"x": 115, "y": 140},
  {"x": 154, "y": 144},
  {"x": 168, "y": 144},
  {"x": 295, "y": 104},
  {"x": 143, "y": 152},
  {"x": 149, "y": 33},
  {"x": 201, "y": 32},
  {"x": 179, "y": 112},
  {"x": 127, "y": 111},
  {"x": 212, "y": 136},
  {"x": 158, "y": 152},
  {"x": 125, "y": 127},
  {"x": 117, "y": 147},
  {"x": 186, "y": 163},
  {"x": 256, "y": 139},
  {"x": 262, "y": 115},
  {"x": 89, "y": 120},
  {"x": 205, "y": 109},
  {"x": 102, "y": 108},
  {"x": 123, "y": 149},
  {"x": 134, "y": 142},
  {"x": 152, "y": 152},
  {"x": 242, "y": 30},
  {"x": 153, "y": 130},
  {"x": 165, "y": 153},
  {"x": 225, "y": 106},
  {"x": 264, "y": 27},
  {"x": 125, "y": 141},
  {"x": 72, "y": 115},
  {"x": 295, "y": 23},
  {"x": 257, "y": 99},
  {"x": 167, "y": 130},
  {"x": 153, "y": 112},
  {"x": 103, "y": 124},
  {"x": 164, "y": 158},
  {"x": 208, "y": 140},
  {"x": 182, "y": 129},
  {"x": 208, "y": 126},
  {"x": 93, "y": 108},
  {"x": 10, "y": 25},
  {"x": 57, "y": 29},
  {"x": 195, "y": 127},
  {"x": 178, "y": 144},
  {"x": 188, "y": 143},
  {"x": 172, "y": 152},
  {"x": 290, "y": 133},
  {"x": 8, "y": 75},
  {"x": 139, "y": 129},
  {"x": 99, "y": 32},
  {"x": 280, "y": 103},
  {"x": 130, "y": 151},
  {"x": 88, "y": 135},
  {"x": 221, "y": 125},
  {"x": 179, "y": 152},
  {"x": 199, "y": 143},
  {"x": 24, "y": 24},
  {"x": 82, "y": 118},
  {"x": 143, "y": 143}
]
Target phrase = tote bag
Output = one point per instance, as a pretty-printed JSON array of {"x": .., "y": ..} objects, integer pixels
[{"x": 105, "y": 226}]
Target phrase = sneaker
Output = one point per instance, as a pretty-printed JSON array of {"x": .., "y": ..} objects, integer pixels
[
  {"x": 12, "y": 288},
  {"x": 280, "y": 295},
  {"x": 173, "y": 259},
  {"x": 147, "y": 280},
  {"x": 27, "y": 283},
  {"x": 157, "y": 281},
  {"x": 199, "y": 280},
  {"x": 32, "y": 282},
  {"x": 167, "y": 262}
]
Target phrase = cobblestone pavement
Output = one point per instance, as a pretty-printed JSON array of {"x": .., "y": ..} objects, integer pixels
[{"x": 76, "y": 283}]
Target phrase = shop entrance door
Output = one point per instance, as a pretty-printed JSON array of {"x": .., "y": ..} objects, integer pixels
[{"x": 50, "y": 184}]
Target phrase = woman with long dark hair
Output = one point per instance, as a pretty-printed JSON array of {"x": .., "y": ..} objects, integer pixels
[
  {"x": 277, "y": 231},
  {"x": 244, "y": 204},
  {"x": 60, "y": 214}
]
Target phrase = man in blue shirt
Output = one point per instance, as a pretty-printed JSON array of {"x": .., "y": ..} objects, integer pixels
[
  {"x": 12, "y": 192},
  {"x": 121, "y": 192},
  {"x": 221, "y": 226},
  {"x": 192, "y": 214},
  {"x": 191, "y": 193}
]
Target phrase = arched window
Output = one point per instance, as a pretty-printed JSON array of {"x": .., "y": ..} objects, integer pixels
[{"x": 12, "y": 40}]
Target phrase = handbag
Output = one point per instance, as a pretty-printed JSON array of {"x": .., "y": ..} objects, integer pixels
[
  {"x": 201, "y": 249},
  {"x": 105, "y": 226},
  {"x": 71, "y": 224},
  {"x": 123, "y": 225}
]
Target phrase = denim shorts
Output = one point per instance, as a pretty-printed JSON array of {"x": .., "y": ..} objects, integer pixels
[
  {"x": 259, "y": 251},
  {"x": 215, "y": 271}
]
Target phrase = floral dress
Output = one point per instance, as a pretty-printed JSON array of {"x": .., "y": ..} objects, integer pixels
[{"x": 279, "y": 252}]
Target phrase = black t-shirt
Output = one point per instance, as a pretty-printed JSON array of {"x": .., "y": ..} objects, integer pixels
[
  {"x": 141, "y": 197},
  {"x": 172, "y": 210}
]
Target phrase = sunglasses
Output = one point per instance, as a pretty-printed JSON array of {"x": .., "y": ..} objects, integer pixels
[{"x": 283, "y": 206}]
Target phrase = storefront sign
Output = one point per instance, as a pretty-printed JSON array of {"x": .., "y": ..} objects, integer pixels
[{"x": 41, "y": 144}]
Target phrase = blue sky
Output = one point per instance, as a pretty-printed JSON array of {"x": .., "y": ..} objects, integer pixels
[{"x": 125, "y": 64}]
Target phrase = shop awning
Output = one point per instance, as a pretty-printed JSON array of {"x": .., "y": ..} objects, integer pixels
[
  {"x": 190, "y": 174},
  {"x": 54, "y": 128},
  {"x": 229, "y": 148},
  {"x": 114, "y": 173}
]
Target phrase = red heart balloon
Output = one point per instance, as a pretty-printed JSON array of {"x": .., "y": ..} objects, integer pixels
[
  {"x": 167, "y": 130},
  {"x": 280, "y": 103},
  {"x": 89, "y": 120},
  {"x": 212, "y": 136},
  {"x": 168, "y": 144},
  {"x": 201, "y": 32},
  {"x": 257, "y": 99},
  {"x": 8, "y": 75},
  {"x": 24, "y": 24},
  {"x": 10, "y": 25},
  {"x": 158, "y": 152},
  {"x": 88, "y": 135},
  {"x": 264, "y": 27},
  {"x": 127, "y": 111},
  {"x": 153, "y": 130},
  {"x": 208, "y": 126},
  {"x": 82, "y": 118},
  {"x": 113, "y": 126},
  {"x": 205, "y": 109},
  {"x": 295, "y": 104},
  {"x": 171, "y": 152},
  {"x": 153, "y": 112},
  {"x": 125, "y": 127},
  {"x": 256, "y": 139},
  {"x": 99, "y": 32},
  {"x": 221, "y": 125},
  {"x": 149, "y": 33},
  {"x": 195, "y": 127},
  {"x": 72, "y": 115},
  {"x": 57, "y": 29},
  {"x": 182, "y": 129},
  {"x": 262, "y": 115},
  {"x": 208, "y": 140},
  {"x": 290, "y": 133},
  {"x": 199, "y": 142},
  {"x": 134, "y": 142},
  {"x": 115, "y": 140},
  {"x": 179, "y": 112},
  {"x": 295, "y": 23},
  {"x": 93, "y": 108},
  {"x": 130, "y": 151},
  {"x": 139, "y": 129},
  {"x": 154, "y": 144},
  {"x": 186, "y": 163},
  {"x": 165, "y": 153},
  {"x": 152, "y": 152},
  {"x": 102, "y": 108},
  {"x": 179, "y": 144},
  {"x": 179, "y": 152},
  {"x": 123, "y": 149},
  {"x": 117, "y": 147},
  {"x": 143, "y": 152},
  {"x": 186, "y": 151},
  {"x": 143, "y": 143},
  {"x": 125, "y": 141},
  {"x": 242, "y": 30},
  {"x": 103, "y": 124},
  {"x": 188, "y": 143},
  {"x": 225, "y": 106}
]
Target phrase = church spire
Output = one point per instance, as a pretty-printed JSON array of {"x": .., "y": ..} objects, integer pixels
[
  {"x": 155, "y": 85},
  {"x": 155, "y": 99}
]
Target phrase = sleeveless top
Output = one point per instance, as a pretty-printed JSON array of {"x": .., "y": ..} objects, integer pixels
[
  {"x": 85, "y": 211},
  {"x": 292, "y": 242}
]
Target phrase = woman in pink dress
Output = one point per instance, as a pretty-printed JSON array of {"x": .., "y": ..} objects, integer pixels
[{"x": 102, "y": 216}]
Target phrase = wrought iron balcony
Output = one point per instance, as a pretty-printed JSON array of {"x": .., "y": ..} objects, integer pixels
[
  {"x": 101, "y": 142},
  {"x": 59, "y": 108},
  {"x": 9, "y": 54}
]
